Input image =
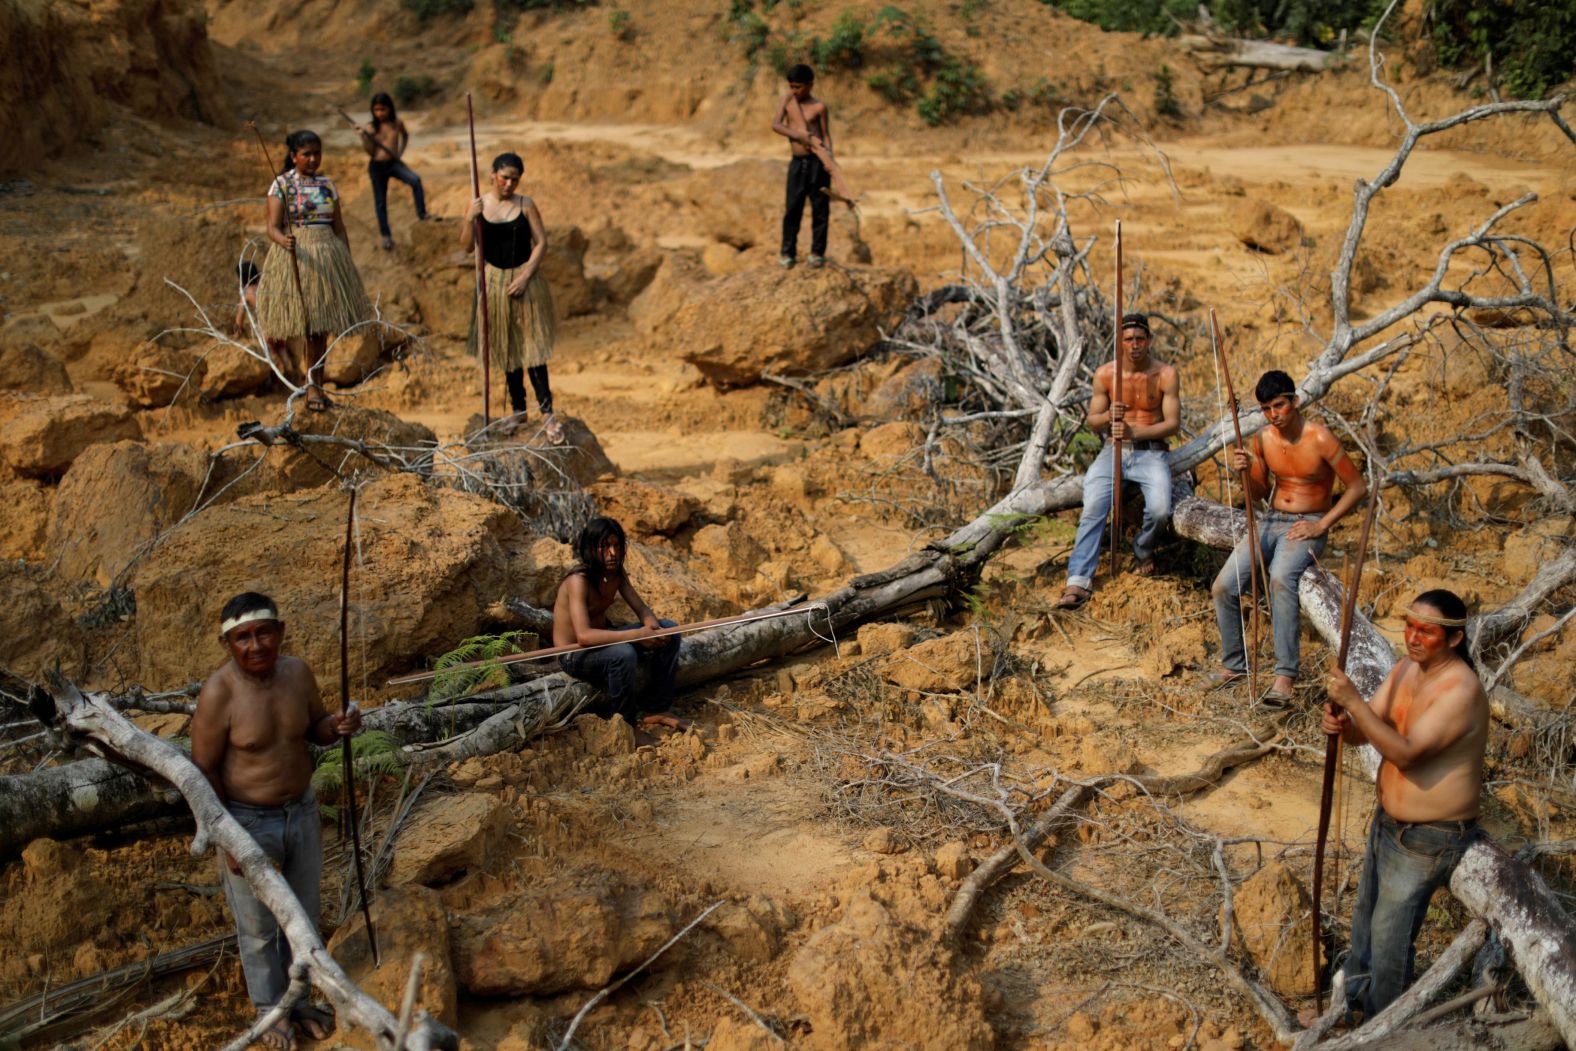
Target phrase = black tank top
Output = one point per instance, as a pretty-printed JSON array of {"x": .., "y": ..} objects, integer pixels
[{"x": 506, "y": 245}]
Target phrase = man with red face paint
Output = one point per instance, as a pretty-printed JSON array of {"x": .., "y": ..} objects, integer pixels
[
  {"x": 249, "y": 734},
  {"x": 1429, "y": 720}
]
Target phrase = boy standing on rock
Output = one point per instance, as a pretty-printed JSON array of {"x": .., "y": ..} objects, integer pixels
[
  {"x": 806, "y": 123},
  {"x": 254, "y": 718},
  {"x": 580, "y": 619}
]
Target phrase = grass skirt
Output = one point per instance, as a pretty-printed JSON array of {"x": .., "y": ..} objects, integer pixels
[
  {"x": 330, "y": 285},
  {"x": 521, "y": 328}
]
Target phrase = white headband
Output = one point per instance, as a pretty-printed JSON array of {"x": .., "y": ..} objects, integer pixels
[
  {"x": 1433, "y": 618},
  {"x": 266, "y": 613}
]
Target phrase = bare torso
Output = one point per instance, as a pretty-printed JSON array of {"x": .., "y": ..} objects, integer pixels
[
  {"x": 1445, "y": 786},
  {"x": 576, "y": 587},
  {"x": 814, "y": 123},
  {"x": 390, "y": 138},
  {"x": 1142, "y": 392},
  {"x": 1304, "y": 477},
  {"x": 258, "y": 728}
]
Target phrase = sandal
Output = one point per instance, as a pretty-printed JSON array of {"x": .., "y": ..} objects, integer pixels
[
  {"x": 1073, "y": 598},
  {"x": 1276, "y": 699},
  {"x": 316, "y": 400},
  {"x": 553, "y": 429},
  {"x": 316, "y": 1022},
  {"x": 279, "y": 1037},
  {"x": 1221, "y": 678}
]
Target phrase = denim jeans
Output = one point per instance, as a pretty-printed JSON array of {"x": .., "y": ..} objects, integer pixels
[
  {"x": 291, "y": 835},
  {"x": 380, "y": 172},
  {"x": 613, "y": 669},
  {"x": 807, "y": 177},
  {"x": 1286, "y": 561},
  {"x": 1404, "y": 865},
  {"x": 1150, "y": 469}
]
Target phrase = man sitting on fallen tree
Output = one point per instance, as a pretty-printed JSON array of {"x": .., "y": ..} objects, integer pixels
[
  {"x": 580, "y": 619},
  {"x": 1429, "y": 720},
  {"x": 254, "y": 718}
]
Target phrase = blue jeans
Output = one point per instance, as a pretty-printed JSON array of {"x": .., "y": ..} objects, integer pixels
[
  {"x": 1147, "y": 467},
  {"x": 1405, "y": 864},
  {"x": 292, "y": 836},
  {"x": 380, "y": 172},
  {"x": 613, "y": 669},
  {"x": 1286, "y": 561}
]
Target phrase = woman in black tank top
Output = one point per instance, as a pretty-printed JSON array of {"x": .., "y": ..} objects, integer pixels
[{"x": 521, "y": 319}]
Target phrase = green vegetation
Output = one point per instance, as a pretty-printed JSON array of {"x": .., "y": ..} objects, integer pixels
[
  {"x": 1532, "y": 42},
  {"x": 364, "y": 76},
  {"x": 432, "y": 8},
  {"x": 1166, "y": 103},
  {"x": 410, "y": 90},
  {"x": 904, "y": 61},
  {"x": 454, "y": 681},
  {"x": 372, "y": 754},
  {"x": 618, "y": 21}
]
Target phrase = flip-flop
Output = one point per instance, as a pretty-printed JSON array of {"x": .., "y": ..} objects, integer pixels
[
  {"x": 1073, "y": 598},
  {"x": 1273, "y": 698},
  {"x": 1222, "y": 678},
  {"x": 279, "y": 1037},
  {"x": 315, "y": 1021},
  {"x": 316, "y": 400},
  {"x": 553, "y": 429}
]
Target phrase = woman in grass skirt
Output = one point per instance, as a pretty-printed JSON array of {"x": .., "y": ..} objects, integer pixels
[
  {"x": 522, "y": 323},
  {"x": 305, "y": 220}
]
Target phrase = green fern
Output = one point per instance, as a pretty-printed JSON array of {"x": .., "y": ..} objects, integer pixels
[
  {"x": 455, "y": 681},
  {"x": 372, "y": 754}
]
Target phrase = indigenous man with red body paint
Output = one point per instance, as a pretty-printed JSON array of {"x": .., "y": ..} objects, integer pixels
[{"x": 1429, "y": 720}]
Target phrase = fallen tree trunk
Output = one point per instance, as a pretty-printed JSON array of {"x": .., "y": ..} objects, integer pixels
[
  {"x": 1212, "y": 53},
  {"x": 100, "y": 722}
]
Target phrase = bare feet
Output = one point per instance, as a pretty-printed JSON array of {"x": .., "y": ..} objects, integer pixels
[
  {"x": 667, "y": 719},
  {"x": 280, "y": 1037},
  {"x": 315, "y": 1022}
]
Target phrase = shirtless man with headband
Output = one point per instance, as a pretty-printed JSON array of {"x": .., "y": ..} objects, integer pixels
[
  {"x": 1429, "y": 720},
  {"x": 254, "y": 718},
  {"x": 1304, "y": 459}
]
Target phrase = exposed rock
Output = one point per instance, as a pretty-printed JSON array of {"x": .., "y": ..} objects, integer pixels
[
  {"x": 740, "y": 204},
  {"x": 880, "y": 639},
  {"x": 27, "y": 367},
  {"x": 891, "y": 440},
  {"x": 953, "y": 662},
  {"x": 869, "y": 982},
  {"x": 230, "y": 372},
  {"x": 448, "y": 835},
  {"x": 882, "y": 840},
  {"x": 906, "y": 394},
  {"x": 633, "y": 274},
  {"x": 357, "y": 356},
  {"x": 784, "y": 321},
  {"x": 431, "y": 560},
  {"x": 575, "y": 463},
  {"x": 603, "y": 738},
  {"x": 27, "y": 510},
  {"x": 408, "y": 920},
  {"x": 752, "y": 929},
  {"x": 156, "y": 375},
  {"x": 1101, "y": 754},
  {"x": 564, "y": 268},
  {"x": 729, "y": 549},
  {"x": 290, "y": 468},
  {"x": 674, "y": 282},
  {"x": 115, "y": 499},
  {"x": 825, "y": 553},
  {"x": 537, "y": 570},
  {"x": 953, "y": 860},
  {"x": 738, "y": 1034},
  {"x": 1273, "y": 914},
  {"x": 1265, "y": 228},
  {"x": 644, "y": 509},
  {"x": 46, "y": 434},
  {"x": 570, "y": 930},
  {"x": 36, "y": 632},
  {"x": 665, "y": 581}
]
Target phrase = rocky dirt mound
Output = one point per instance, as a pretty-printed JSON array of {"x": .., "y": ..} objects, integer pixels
[{"x": 74, "y": 67}]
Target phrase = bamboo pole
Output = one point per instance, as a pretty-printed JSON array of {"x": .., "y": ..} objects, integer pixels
[
  {"x": 1255, "y": 556},
  {"x": 485, "y": 328},
  {"x": 1116, "y": 400}
]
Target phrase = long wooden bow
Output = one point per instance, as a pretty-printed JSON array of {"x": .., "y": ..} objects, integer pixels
[
  {"x": 1255, "y": 557},
  {"x": 1116, "y": 399},
  {"x": 1332, "y": 747},
  {"x": 344, "y": 742},
  {"x": 485, "y": 328}
]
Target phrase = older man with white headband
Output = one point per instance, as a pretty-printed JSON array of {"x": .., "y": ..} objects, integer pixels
[{"x": 249, "y": 736}]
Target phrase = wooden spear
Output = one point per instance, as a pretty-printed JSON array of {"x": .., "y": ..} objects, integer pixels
[
  {"x": 660, "y": 633},
  {"x": 1116, "y": 399},
  {"x": 344, "y": 742},
  {"x": 277, "y": 177},
  {"x": 1332, "y": 747},
  {"x": 481, "y": 273},
  {"x": 1255, "y": 559}
]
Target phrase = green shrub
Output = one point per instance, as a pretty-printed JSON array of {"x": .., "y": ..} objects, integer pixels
[
  {"x": 432, "y": 8},
  {"x": 364, "y": 76},
  {"x": 452, "y": 680},
  {"x": 1533, "y": 42},
  {"x": 618, "y": 21},
  {"x": 410, "y": 90},
  {"x": 1166, "y": 103},
  {"x": 958, "y": 90},
  {"x": 898, "y": 86},
  {"x": 843, "y": 48}
]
